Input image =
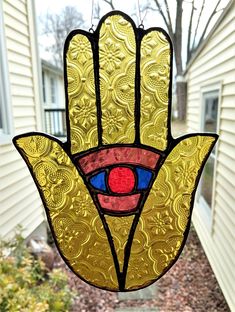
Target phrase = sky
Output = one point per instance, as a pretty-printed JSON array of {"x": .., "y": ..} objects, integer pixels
[{"x": 151, "y": 19}]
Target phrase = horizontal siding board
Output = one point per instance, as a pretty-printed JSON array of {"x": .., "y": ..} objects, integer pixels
[
  {"x": 11, "y": 168},
  {"x": 219, "y": 66},
  {"x": 12, "y": 22},
  {"x": 223, "y": 248},
  {"x": 24, "y": 101},
  {"x": 13, "y": 34},
  {"x": 25, "y": 128},
  {"x": 228, "y": 199},
  {"x": 20, "y": 69},
  {"x": 19, "y": 6},
  {"x": 24, "y": 91},
  {"x": 221, "y": 255},
  {"x": 16, "y": 57},
  {"x": 18, "y": 199},
  {"x": 227, "y": 101},
  {"x": 4, "y": 149},
  {"x": 5, "y": 159},
  {"x": 222, "y": 218},
  {"x": 15, "y": 13},
  {"x": 223, "y": 31},
  {"x": 225, "y": 75},
  {"x": 24, "y": 218},
  {"x": 20, "y": 122},
  {"x": 15, "y": 214},
  {"x": 14, "y": 178},
  {"x": 229, "y": 114},
  {"x": 227, "y": 43},
  {"x": 31, "y": 224},
  {"x": 226, "y": 172},
  {"x": 229, "y": 89},
  {"x": 27, "y": 112},
  {"x": 226, "y": 142},
  {"x": 227, "y": 160},
  {"x": 223, "y": 182},
  {"x": 228, "y": 126}
]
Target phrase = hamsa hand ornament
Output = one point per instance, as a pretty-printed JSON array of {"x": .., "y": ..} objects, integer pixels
[{"x": 119, "y": 193}]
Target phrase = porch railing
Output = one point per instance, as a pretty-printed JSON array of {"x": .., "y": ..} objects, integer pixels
[{"x": 55, "y": 121}]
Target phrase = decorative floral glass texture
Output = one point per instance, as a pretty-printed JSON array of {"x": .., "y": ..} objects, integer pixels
[{"x": 119, "y": 193}]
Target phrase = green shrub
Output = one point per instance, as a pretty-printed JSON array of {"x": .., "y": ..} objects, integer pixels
[{"x": 24, "y": 284}]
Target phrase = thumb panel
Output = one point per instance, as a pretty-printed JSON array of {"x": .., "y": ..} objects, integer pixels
[
  {"x": 72, "y": 215},
  {"x": 164, "y": 223}
]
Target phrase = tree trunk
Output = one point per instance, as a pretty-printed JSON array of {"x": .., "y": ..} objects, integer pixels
[
  {"x": 180, "y": 84},
  {"x": 181, "y": 95}
]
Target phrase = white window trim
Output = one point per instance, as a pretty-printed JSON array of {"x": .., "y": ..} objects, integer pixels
[
  {"x": 5, "y": 138},
  {"x": 205, "y": 210}
]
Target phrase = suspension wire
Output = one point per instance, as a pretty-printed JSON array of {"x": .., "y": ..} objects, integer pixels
[
  {"x": 141, "y": 25},
  {"x": 92, "y": 16}
]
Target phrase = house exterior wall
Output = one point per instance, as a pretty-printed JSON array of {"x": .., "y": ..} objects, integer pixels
[
  {"x": 19, "y": 199},
  {"x": 213, "y": 68}
]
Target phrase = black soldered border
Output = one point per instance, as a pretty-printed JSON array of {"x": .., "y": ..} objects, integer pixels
[{"x": 94, "y": 40}]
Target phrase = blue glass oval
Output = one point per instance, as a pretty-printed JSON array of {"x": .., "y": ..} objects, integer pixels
[
  {"x": 144, "y": 178},
  {"x": 98, "y": 181}
]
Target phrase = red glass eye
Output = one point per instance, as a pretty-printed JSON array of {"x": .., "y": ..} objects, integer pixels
[
  {"x": 119, "y": 176},
  {"x": 121, "y": 180}
]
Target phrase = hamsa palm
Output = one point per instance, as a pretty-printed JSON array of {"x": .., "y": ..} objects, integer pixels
[{"x": 119, "y": 193}]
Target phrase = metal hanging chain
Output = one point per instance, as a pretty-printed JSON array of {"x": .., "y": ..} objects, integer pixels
[{"x": 92, "y": 16}]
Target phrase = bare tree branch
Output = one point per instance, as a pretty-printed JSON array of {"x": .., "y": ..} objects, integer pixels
[
  {"x": 164, "y": 18},
  {"x": 190, "y": 32},
  {"x": 58, "y": 26},
  {"x": 110, "y": 2},
  {"x": 168, "y": 15},
  {"x": 208, "y": 22},
  {"x": 198, "y": 22}
]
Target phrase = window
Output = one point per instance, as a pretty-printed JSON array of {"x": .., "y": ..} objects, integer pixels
[
  {"x": 209, "y": 124},
  {"x": 5, "y": 112},
  {"x": 43, "y": 87},
  {"x": 53, "y": 90}
]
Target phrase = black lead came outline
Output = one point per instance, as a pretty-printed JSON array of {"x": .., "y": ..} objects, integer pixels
[{"x": 171, "y": 143}]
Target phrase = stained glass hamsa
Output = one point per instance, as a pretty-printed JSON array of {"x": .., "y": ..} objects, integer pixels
[{"x": 119, "y": 193}]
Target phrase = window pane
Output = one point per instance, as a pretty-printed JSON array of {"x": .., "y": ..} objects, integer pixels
[
  {"x": 53, "y": 99},
  {"x": 211, "y": 109},
  {"x": 207, "y": 181},
  {"x": 43, "y": 87}
]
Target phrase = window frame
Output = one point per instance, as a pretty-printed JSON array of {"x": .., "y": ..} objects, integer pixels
[
  {"x": 214, "y": 88},
  {"x": 6, "y": 131}
]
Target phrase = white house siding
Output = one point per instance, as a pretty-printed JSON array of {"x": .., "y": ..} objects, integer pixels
[
  {"x": 19, "y": 199},
  {"x": 215, "y": 64}
]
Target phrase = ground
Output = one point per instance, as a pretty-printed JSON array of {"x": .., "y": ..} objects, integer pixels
[{"x": 189, "y": 285}]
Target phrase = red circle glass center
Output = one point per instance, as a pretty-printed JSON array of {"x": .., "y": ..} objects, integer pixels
[{"x": 121, "y": 180}]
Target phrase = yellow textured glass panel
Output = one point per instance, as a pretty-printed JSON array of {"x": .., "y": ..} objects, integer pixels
[
  {"x": 120, "y": 230},
  {"x": 77, "y": 227},
  {"x": 163, "y": 221},
  {"x": 154, "y": 86},
  {"x": 81, "y": 94},
  {"x": 117, "y": 79},
  {"x": 117, "y": 252}
]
